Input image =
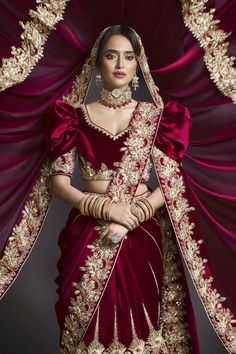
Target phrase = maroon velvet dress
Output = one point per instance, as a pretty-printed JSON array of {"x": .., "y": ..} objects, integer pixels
[{"x": 128, "y": 298}]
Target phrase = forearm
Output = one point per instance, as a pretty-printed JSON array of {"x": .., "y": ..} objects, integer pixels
[
  {"x": 61, "y": 188},
  {"x": 156, "y": 199}
]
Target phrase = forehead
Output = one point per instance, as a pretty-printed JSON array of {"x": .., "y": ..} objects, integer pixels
[{"x": 118, "y": 43}]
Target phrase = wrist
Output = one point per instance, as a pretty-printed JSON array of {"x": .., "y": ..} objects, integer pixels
[
  {"x": 96, "y": 205},
  {"x": 142, "y": 209}
]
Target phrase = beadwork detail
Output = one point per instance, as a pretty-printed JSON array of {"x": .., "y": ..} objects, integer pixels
[
  {"x": 16, "y": 69},
  {"x": 213, "y": 40}
]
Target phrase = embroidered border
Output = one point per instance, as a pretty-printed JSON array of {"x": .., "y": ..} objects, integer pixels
[
  {"x": 178, "y": 206},
  {"x": 172, "y": 325},
  {"x": 24, "y": 234},
  {"x": 172, "y": 336},
  {"x": 213, "y": 40},
  {"x": 16, "y": 69},
  {"x": 137, "y": 147},
  {"x": 87, "y": 294},
  {"x": 65, "y": 163}
]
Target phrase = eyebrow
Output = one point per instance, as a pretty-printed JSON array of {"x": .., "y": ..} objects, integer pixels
[{"x": 116, "y": 51}]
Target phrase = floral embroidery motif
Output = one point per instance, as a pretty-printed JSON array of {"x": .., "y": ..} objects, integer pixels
[
  {"x": 104, "y": 173},
  {"x": 87, "y": 294},
  {"x": 136, "y": 149},
  {"x": 213, "y": 40},
  {"x": 36, "y": 31},
  {"x": 154, "y": 344},
  {"x": 178, "y": 206},
  {"x": 65, "y": 163},
  {"x": 88, "y": 173},
  {"x": 172, "y": 325},
  {"x": 24, "y": 234}
]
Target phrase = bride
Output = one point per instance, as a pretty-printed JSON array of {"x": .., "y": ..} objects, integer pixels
[{"x": 121, "y": 284}]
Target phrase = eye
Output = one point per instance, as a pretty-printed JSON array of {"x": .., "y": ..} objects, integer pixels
[
  {"x": 110, "y": 56},
  {"x": 129, "y": 57}
]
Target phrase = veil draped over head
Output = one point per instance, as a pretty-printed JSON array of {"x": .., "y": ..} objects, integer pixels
[{"x": 81, "y": 85}]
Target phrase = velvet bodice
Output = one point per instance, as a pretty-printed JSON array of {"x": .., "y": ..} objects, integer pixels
[{"x": 99, "y": 150}]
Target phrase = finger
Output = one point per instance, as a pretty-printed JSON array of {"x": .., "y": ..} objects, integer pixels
[
  {"x": 134, "y": 219},
  {"x": 104, "y": 233},
  {"x": 127, "y": 225}
]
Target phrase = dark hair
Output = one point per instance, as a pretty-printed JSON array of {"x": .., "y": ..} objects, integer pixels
[{"x": 122, "y": 30}]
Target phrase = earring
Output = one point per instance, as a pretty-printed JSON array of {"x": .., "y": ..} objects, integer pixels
[
  {"x": 98, "y": 79},
  {"x": 135, "y": 81}
]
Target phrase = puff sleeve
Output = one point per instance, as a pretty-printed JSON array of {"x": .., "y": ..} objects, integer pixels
[
  {"x": 62, "y": 129},
  {"x": 174, "y": 130}
]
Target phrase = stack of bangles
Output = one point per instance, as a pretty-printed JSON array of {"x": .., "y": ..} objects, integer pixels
[
  {"x": 142, "y": 209},
  {"x": 96, "y": 205}
]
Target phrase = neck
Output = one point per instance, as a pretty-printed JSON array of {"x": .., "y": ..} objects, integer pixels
[{"x": 116, "y": 98}]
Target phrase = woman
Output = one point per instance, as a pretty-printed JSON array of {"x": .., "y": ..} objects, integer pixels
[{"x": 121, "y": 284}]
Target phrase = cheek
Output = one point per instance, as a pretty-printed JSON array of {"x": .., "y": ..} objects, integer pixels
[
  {"x": 132, "y": 68},
  {"x": 106, "y": 68}
]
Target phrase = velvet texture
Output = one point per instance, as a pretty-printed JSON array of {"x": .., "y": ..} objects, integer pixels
[
  {"x": 177, "y": 65},
  {"x": 133, "y": 284},
  {"x": 140, "y": 259},
  {"x": 68, "y": 128}
]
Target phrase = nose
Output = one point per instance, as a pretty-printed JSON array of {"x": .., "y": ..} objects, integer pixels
[{"x": 120, "y": 62}]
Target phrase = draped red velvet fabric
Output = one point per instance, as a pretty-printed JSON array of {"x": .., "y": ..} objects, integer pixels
[{"x": 177, "y": 65}]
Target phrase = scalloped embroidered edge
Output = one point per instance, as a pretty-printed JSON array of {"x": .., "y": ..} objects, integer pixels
[
  {"x": 213, "y": 40},
  {"x": 17, "y": 68}
]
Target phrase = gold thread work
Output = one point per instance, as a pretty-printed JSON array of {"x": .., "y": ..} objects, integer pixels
[
  {"x": 16, "y": 69},
  {"x": 213, "y": 40}
]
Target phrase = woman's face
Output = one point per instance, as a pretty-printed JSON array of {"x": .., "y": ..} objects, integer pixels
[{"x": 118, "y": 63}]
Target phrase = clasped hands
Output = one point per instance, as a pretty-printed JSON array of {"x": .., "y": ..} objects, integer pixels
[
  {"x": 122, "y": 221},
  {"x": 119, "y": 218}
]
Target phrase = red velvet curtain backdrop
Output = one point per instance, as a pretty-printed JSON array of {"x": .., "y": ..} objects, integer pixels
[{"x": 176, "y": 60}]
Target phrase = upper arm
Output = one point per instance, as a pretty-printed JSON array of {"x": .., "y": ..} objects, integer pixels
[
  {"x": 62, "y": 129},
  {"x": 174, "y": 130}
]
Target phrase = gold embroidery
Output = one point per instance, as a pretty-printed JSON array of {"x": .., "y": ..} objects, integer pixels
[
  {"x": 95, "y": 347},
  {"x": 104, "y": 173},
  {"x": 154, "y": 345},
  {"x": 87, "y": 294},
  {"x": 36, "y": 31},
  {"x": 116, "y": 346},
  {"x": 173, "y": 186},
  {"x": 137, "y": 345},
  {"x": 24, "y": 234},
  {"x": 65, "y": 163},
  {"x": 137, "y": 147},
  {"x": 88, "y": 173},
  {"x": 173, "y": 328},
  {"x": 213, "y": 40}
]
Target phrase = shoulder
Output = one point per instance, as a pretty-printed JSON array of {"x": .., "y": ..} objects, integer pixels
[{"x": 176, "y": 110}]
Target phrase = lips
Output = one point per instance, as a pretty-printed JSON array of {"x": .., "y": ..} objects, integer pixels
[{"x": 119, "y": 74}]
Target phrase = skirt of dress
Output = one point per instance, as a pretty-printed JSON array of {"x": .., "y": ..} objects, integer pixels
[{"x": 128, "y": 298}]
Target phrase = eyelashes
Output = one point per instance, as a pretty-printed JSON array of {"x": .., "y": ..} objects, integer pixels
[{"x": 113, "y": 56}]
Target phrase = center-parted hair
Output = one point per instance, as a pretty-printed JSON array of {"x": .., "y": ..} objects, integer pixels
[{"x": 122, "y": 30}]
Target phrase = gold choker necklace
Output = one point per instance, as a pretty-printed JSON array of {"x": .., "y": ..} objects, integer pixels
[{"x": 115, "y": 98}]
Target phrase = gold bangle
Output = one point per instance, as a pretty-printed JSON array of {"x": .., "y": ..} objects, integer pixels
[
  {"x": 149, "y": 206},
  {"x": 81, "y": 204},
  {"x": 97, "y": 208},
  {"x": 90, "y": 204},
  {"x": 143, "y": 207}
]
